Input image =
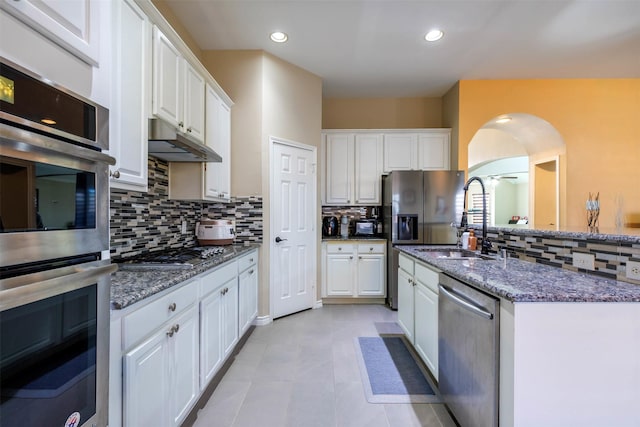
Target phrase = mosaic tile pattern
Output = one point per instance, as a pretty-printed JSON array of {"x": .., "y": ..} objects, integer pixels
[
  {"x": 144, "y": 222},
  {"x": 557, "y": 248}
]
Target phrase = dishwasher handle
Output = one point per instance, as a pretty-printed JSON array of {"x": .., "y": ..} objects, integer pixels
[{"x": 469, "y": 305}]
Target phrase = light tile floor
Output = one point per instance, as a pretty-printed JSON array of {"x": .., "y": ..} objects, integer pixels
[{"x": 301, "y": 371}]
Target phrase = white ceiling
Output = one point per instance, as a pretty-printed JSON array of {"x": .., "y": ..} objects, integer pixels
[{"x": 376, "y": 48}]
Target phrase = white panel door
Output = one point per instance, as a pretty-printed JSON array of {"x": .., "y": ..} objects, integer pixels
[
  {"x": 193, "y": 102},
  {"x": 339, "y": 164},
  {"x": 293, "y": 212},
  {"x": 433, "y": 151},
  {"x": 167, "y": 80},
  {"x": 371, "y": 273},
  {"x": 185, "y": 354},
  {"x": 405, "y": 304},
  {"x": 426, "y": 326}
]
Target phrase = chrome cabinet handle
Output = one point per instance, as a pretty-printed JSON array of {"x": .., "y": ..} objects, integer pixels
[
  {"x": 339, "y": 249},
  {"x": 172, "y": 306},
  {"x": 181, "y": 124},
  {"x": 359, "y": 257},
  {"x": 250, "y": 259},
  {"x": 351, "y": 257},
  {"x": 250, "y": 272},
  {"x": 370, "y": 249},
  {"x": 115, "y": 174},
  {"x": 189, "y": 130},
  {"x": 174, "y": 330}
]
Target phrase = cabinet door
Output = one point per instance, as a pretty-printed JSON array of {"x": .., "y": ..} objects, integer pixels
[
  {"x": 73, "y": 24},
  {"x": 146, "y": 382},
  {"x": 368, "y": 168},
  {"x": 184, "y": 365},
  {"x": 129, "y": 114},
  {"x": 339, "y": 169},
  {"x": 405, "y": 304},
  {"x": 371, "y": 277},
  {"x": 167, "y": 80},
  {"x": 248, "y": 295},
  {"x": 210, "y": 336},
  {"x": 218, "y": 137},
  {"x": 426, "y": 326},
  {"x": 230, "y": 312},
  {"x": 340, "y": 275},
  {"x": 433, "y": 151},
  {"x": 400, "y": 151},
  {"x": 193, "y": 102}
]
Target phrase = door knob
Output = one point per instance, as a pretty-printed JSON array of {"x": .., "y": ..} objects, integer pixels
[{"x": 278, "y": 239}]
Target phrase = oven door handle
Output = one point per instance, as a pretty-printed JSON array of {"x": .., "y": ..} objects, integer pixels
[{"x": 33, "y": 287}]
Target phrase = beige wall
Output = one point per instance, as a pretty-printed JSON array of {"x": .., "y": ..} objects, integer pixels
[
  {"x": 184, "y": 34},
  {"x": 450, "y": 119},
  {"x": 597, "y": 118},
  {"x": 272, "y": 98},
  {"x": 381, "y": 113},
  {"x": 240, "y": 74}
]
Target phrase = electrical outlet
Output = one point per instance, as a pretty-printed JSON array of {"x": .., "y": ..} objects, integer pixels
[
  {"x": 585, "y": 261},
  {"x": 183, "y": 228},
  {"x": 633, "y": 270}
]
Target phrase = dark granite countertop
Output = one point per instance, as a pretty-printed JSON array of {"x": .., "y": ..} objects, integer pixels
[
  {"x": 350, "y": 238},
  {"x": 523, "y": 281},
  {"x": 131, "y": 286}
]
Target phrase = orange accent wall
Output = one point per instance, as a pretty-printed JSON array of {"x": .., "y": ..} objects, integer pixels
[{"x": 599, "y": 120}]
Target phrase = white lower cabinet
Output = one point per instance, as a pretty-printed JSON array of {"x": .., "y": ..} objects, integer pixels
[
  {"x": 354, "y": 269},
  {"x": 247, "y": 290},
  {"x": 418, "y": 308},
  {"x": 218, "y": 319},
  {"x": 161, "y": 374},
  {"x": 173, "y": 346}
]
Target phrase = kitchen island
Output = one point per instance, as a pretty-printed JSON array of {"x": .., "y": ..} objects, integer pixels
[{"x": 569, "y": 342}]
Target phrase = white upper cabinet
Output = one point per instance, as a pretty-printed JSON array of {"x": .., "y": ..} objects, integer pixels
[
  {"x": 72, "y": 24},
  {"x": 424, "y": 149},
  {"x": 193, "y": 102},
  {"x": 130, "y": 96},
  {"x": 368, "y": 169},
  {"x": 218, "y": 137},
  {"x": 167, "y": 80},
  {"x": 178, "y": 89},
  {"x": 400, "y": 152},
  {"x": 338, "y": 149},
  {"x": 353, "y": 168},
  {"x": 434, "y": 150}
]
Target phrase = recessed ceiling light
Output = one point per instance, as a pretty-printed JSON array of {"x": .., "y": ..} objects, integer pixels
[
  {"x": 279, "y": 37},
  {"x": 433, "y": 35},
  {"x": 503, "y": 119},
  {"x": 48, "y": 121}
]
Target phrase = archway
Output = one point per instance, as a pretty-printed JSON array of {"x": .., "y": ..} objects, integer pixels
[{"x": 505, "y": 152}]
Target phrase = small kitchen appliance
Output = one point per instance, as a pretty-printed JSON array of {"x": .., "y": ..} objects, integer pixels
[
  {"x": 365, "y": 227},
  {"x": 344, "y": 226},
  {"x": 329, "y": 226},
  {"x": 216, "y": 232}
]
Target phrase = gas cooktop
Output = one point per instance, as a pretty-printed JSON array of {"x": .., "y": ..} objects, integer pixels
[{"x": 182, "y": 258}]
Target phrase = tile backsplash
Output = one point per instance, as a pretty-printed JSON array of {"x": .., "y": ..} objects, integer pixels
[{"x": 143, "y": 222}]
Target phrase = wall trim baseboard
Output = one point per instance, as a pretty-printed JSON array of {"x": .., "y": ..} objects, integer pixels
[
  {"x": 317, "y": 304},
  {"x": 263, "y": 320}
]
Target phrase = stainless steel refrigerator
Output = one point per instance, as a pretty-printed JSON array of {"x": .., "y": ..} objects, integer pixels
[{"x": 419, "y": 207}]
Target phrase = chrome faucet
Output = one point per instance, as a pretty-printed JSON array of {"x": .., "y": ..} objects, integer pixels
[{"x": 486, "y": 245}]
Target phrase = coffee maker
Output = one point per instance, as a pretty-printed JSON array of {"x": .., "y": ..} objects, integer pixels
[{"x": 329, "y": 226}]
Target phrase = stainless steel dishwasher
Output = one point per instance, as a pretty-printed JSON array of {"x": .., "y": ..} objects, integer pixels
[{"x": 468, "y": 353}]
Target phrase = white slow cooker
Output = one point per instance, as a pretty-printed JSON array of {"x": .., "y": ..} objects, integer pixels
[{"x": 215, "y": 232}]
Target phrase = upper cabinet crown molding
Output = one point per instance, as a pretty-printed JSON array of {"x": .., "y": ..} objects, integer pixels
[
  {"x": 72, "y": 24},
  {"x": 163, "y": 25}
]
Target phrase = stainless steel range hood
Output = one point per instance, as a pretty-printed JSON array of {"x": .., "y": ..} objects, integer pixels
[{"x": 167, "y": 143}]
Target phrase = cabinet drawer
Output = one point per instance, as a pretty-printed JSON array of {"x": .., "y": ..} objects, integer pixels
[
  {"x": 406, "y": 263},
  {"x": 427, "y": 276},
  {"x": 371, "y": 248},
  {"x": 219, "y": 277},
  {"x": 142, "y": 322},
  {"x": 247, "y": 261},
  {"x": 340, "y": 248}
]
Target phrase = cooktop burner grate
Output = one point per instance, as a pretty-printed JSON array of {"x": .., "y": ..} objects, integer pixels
[{"x": 181, "y": 258}]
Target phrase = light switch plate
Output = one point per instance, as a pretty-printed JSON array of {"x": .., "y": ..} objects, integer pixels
[
  {"x": 633, "y": 270},
  {"x": 585, "y": 261},
  {"x": 183, "y": 228}
]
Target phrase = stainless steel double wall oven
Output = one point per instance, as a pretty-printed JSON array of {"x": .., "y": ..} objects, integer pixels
[{"x": 54, "y": 231}]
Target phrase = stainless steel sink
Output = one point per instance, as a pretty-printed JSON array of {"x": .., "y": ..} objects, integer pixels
[{"x": 453, "y": 253}]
